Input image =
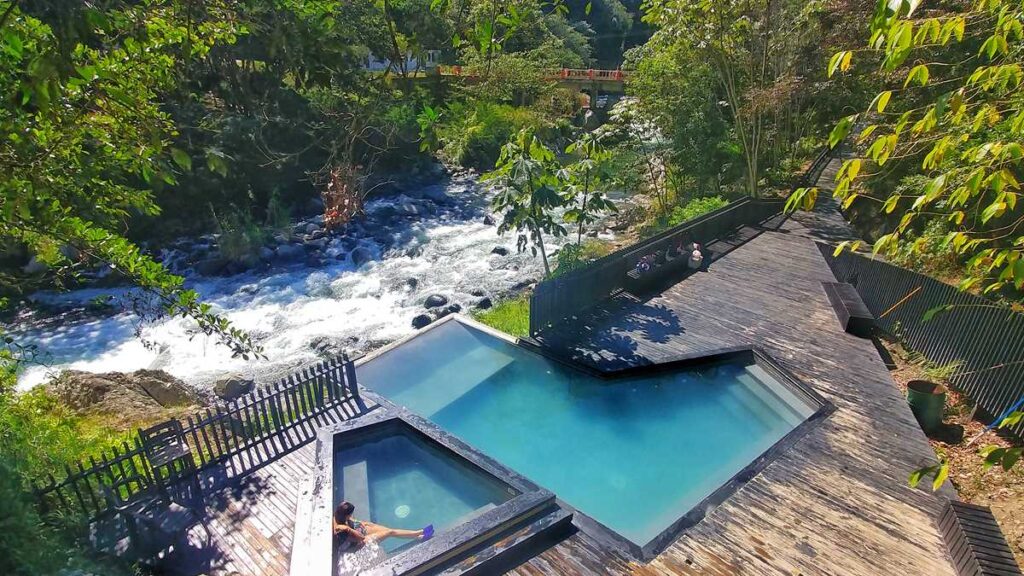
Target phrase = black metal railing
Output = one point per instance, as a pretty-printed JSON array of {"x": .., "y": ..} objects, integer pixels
[
  {"x": 214, "y": 435},
  {"x": 984, "y": 337},
  {"x": 566, "y": 296}
]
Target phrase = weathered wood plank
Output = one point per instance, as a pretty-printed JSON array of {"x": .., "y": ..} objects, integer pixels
[{"x": 838, "y": 501}]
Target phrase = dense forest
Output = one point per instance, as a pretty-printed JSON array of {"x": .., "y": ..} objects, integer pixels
[{"x": 127, "y": 125}]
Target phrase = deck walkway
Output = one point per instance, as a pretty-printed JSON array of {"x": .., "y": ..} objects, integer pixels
[
  {"x": 250, "y": 512},
  {"x": 835, "y": 503}
]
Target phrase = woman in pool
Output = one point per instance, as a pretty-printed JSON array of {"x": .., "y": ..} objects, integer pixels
[{"x": 353, "y": 533}]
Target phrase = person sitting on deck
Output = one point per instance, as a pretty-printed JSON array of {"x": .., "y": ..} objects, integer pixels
[{"x": 352, "y": 533}]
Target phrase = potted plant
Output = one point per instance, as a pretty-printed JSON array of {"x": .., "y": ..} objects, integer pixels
[{"x": 927, "y": 401}]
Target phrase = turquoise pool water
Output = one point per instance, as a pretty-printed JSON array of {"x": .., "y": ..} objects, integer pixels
[
  {"x": 400, "y": 480},
  {"x": 635, "y": 454}
]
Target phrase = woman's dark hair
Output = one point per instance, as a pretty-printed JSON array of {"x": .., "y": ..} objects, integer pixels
[{"x": 343, "y": 511}]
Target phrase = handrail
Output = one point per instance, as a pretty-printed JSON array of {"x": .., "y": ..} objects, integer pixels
[
  {"x": 214, "y": 435},
  {"x": 556, "y": 299}
]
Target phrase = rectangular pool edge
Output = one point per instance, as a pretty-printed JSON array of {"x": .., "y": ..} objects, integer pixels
[
  {"x": 312, "y": 550},
  {"x": 747, "y": 354}
]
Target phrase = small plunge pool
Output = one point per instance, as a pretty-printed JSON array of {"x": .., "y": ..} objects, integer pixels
[
  {"x": 397, "y": 478},
  {"x": 636, "y": 454}
]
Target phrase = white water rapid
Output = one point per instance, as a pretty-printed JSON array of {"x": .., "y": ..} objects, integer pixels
[{"x": 299, "y": 312}]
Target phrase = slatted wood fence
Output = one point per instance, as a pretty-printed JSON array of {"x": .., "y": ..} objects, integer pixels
[
  {"x": 214, "y": 435},
  {"x": 986, "y": 337},
  {"x": 557, "y": 299}
]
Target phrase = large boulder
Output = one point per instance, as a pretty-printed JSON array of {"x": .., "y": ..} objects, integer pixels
[
  {"x": 290, "y": 253},
  {"x": 210, "y": 266},
  {"x": 361, "y": 256},
  {"x": 141, "y": 394},
  {"x": 233, "y": 386},
  {"x": 435, "y": 300}
]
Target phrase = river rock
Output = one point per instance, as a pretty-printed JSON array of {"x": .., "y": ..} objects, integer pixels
[
  {"x": 266, "y": 254},
  {"x": 139, "y": 393},
  {"x": 210, "y": 266},
  {"x": 361, "y": 256},
  {"x": 314, "y": 205},
  {"x": 318, "y": 244},
  {"x": 436, "y": 193},
  {"x": 489, "y": 220},
  {"x": 311, "y": 228},
  {"x": 326, "y": 347},
  {"x": 435, "y": 300},
  {"x": 421, "y": 320},
  {"x": 409, "y": 208},
  {"x": 289, "y": 252},
  {"x": 412, "y": 283},
  {"x": 453, "y": 309},
  {"x": 500, "y": 251},
  {"x": 34, "y": 266},
  {"x": 484, "y": 303},
  {"x": 233, "y": 386}
]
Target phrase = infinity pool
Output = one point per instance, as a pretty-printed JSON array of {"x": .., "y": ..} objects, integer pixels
[{"x": 634, "y": 454}]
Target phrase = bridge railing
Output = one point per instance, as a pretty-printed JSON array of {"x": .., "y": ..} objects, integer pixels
[{"x": 552, "y": 73}]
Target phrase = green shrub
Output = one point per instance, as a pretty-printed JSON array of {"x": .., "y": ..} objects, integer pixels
[
  {"x": 39, "y": 436},
  {"x": 679, "y": 214},
  {"x": 695, "y": 208},
  {"x": 240, "y": 236},
  {"x": 279, "y": 217},
  {"x": 572, "y": 257},
  {"x": 511, "y": 316},
  {"x": 473, "y": 134}
]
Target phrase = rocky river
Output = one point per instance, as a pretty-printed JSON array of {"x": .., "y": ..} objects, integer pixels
[{"x": 413, "y": 257}]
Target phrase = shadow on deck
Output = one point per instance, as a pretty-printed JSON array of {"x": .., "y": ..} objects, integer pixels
[{"x": 247, "y": 504}]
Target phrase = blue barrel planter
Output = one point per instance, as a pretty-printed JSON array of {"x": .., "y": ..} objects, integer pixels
[{"x": 927, "y": 401}]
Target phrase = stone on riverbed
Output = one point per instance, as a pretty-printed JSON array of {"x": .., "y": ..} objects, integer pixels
[
  {"x": 500, "y": 251},
  {"x": 421, "y": 320},
  {"x": 435, "y": 300},
  {"x": 233, "y": 386},
  {"x": 484, "y": 304},
  {"x": 137, "y": 394},
  {"x": 289, "y": 252}
]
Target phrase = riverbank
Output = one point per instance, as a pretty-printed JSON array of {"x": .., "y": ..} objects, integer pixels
[{"x": 414, "y": 256}]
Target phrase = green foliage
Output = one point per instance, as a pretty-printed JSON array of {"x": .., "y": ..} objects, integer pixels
[
  {"x": 955, "y": 118},
  {"x": 575, "y": 256},
  {"x": 582, "y": 180},
  {"x": 679, "y": 214},
  {"x": 240, "y": 236},
  {"x": 472, "y": 134},
  {"x": 511, "y": 316},
  {"x": 528, "y": 193},
  {"x": 695, "y": 208},
  {"x": 87, "y": 139},
  {"x": 279, "y": 217},
  {"x": 38, "y": 435},
  {"x": 746, "y": 55}
]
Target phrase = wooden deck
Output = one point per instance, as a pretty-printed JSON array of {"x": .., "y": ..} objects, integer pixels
[
  {"x": 835, "y": 503},
  {"x": 250, "y": 511}
]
